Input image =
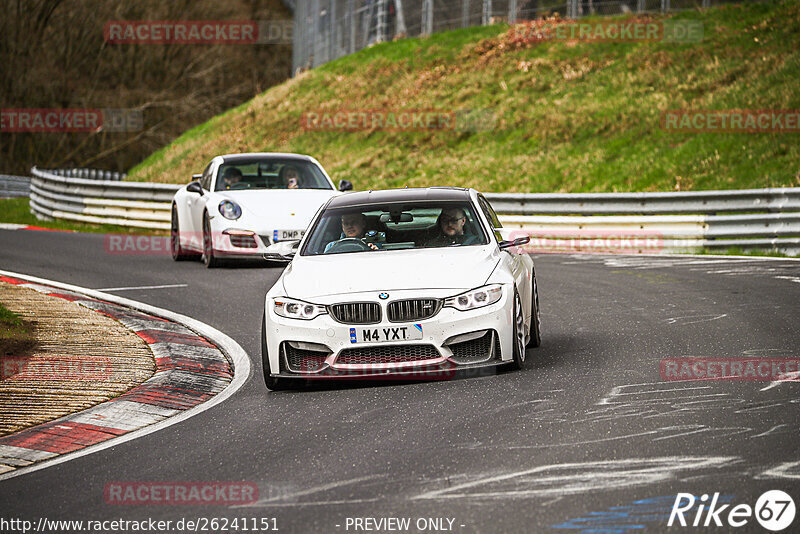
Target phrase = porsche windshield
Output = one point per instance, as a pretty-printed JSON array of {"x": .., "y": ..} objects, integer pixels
[
  {"x": 273, "y": 173},
  {"x": 394, "y": 227}
]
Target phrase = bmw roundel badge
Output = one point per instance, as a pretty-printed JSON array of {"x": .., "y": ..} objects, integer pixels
[{"x": 383, "y": 296}]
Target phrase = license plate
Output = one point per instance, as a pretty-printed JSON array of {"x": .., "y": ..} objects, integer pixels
[
  {"x": 386, "y": 333},
  {"x": 287, "y": 235}
]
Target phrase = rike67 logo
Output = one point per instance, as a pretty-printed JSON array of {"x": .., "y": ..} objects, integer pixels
[{"x": 774, "y": 510}]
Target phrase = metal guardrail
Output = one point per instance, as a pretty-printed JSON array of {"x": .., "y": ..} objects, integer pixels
[
  {"x": 100, "y": 201},
  {"x": 14, "y": 186},
  {"x": 708, "y": 202},
  {"x": 655, "y": 222},
  {"x": 90, "y": 174},
  {"x": 593, "y": 222}
]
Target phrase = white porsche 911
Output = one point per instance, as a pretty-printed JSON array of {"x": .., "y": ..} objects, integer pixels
[
  {"x": 243, "y": 203},
  {"x": 408, "y": 283}
]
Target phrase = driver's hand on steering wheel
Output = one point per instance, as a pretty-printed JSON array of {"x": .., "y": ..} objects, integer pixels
[{"x": 373, "y": 246}]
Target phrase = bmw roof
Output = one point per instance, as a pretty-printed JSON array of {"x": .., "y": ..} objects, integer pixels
[{"x": 362, "y": 198}]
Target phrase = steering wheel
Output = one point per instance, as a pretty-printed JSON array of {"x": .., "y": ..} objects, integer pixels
[
  {"x": 349, "y": 244},
  {"x": 240, "y": 185}
]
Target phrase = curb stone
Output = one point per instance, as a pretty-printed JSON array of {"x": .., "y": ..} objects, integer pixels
[{"x": 190, "y": 370}]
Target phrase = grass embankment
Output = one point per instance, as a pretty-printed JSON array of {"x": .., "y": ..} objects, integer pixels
[
  {"x": 569, "y": 116},
  {"x": 17, "y": 211},
  {"x": 17, "y": 336}
]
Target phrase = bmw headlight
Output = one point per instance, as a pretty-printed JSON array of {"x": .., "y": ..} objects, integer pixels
[
  {"x": 230, "y": 210},
  {"x": 296, "y": 309},
  {"x": 475, "y": 298}
]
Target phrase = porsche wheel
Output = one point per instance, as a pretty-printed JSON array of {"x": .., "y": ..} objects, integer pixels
[
  {"x": 178, "y": 252},
  {"x": 208, "y": 245}
]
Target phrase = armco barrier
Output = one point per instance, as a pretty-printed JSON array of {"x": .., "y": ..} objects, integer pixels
[
  {"x": 90, "y": 174},
  {"x": 14, "y": 186},
  {"x": 135, "y": 204},
  {"x": 633, "y": 222},
  {"x": 684, "y": 202},
  {"x": 656, "y": 222}
]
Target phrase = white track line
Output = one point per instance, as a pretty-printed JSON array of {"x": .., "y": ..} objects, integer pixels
[
  {"x": 133, "y": 288},
  {"x": 239, "y": 358}
]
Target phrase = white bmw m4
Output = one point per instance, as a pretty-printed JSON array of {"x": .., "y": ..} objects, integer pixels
[{"x": 408, "y": 283}]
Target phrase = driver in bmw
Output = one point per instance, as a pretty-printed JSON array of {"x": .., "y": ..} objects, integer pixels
[
  {"x": 231, "y": 177},
  {"x": 354, "y": 226}
]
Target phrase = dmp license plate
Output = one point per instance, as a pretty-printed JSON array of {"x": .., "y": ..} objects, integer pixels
[
  {"x": 287, "y": 235},
  {"x": 386, "y": 333}
]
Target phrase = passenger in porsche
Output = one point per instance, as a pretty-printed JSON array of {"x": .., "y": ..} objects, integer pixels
[{"x": 290, "y": 177}]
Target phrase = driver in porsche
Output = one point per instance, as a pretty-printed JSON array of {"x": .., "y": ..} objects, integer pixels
[
  {"x": 354, "y": 226},
  {"x": 231, "y": 177}
]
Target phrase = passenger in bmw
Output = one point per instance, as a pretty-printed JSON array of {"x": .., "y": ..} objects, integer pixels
[
  {"x": 450, "y": 225},
  {"x": 354, "y": 226}
]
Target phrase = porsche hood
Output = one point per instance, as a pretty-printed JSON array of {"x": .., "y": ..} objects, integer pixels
[{"x": 286, "y": 205}]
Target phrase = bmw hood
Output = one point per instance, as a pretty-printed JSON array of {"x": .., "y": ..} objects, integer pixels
[
  {"x": 308, "y": 277},
  {"x": 281, "y": 204}
]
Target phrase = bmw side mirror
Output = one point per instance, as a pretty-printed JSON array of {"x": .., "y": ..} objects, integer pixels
[
  {"x": 282, "y": 251},
  {"x": 344, "y": 185},
  {"x": 195, "y": 187},
  {"x": 516, "y": 243}
]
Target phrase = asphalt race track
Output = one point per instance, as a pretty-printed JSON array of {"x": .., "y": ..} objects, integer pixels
[{"x": 587, "y": 429}]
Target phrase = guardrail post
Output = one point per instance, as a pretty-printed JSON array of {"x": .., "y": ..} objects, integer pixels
[
  {"x": 464, "y": 13},
  {"x": 486, "y": 14},
  {"x": 512, "y": 11}
]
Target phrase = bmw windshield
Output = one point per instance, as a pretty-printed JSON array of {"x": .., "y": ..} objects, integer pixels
[{"x": 395, "y": 227}]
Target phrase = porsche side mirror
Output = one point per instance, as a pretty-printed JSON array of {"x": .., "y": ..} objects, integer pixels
[
  {"x": 516, "y": 243},
  {"x": 195, "y": 187},
  {"x": 345, "y": 185}
]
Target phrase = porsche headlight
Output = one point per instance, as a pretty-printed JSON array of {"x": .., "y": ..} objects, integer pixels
[
  {"x": 296, "y": 309},
  {"x": 230, "y": 210},
  {"x": 475, "y": 298}
]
